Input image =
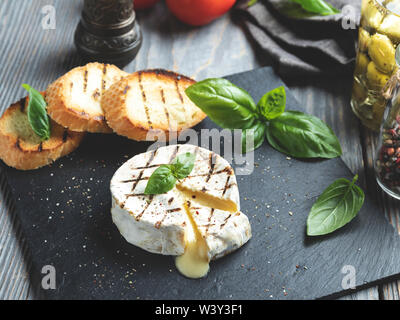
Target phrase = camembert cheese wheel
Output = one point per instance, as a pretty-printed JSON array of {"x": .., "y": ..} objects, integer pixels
[{"x": 198, "y": 220}]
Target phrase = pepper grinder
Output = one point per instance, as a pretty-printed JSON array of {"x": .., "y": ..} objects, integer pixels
[{"x": 108, "y": 32}]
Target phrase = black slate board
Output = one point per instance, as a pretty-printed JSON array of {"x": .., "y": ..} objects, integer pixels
[{"x": 65, "y": 214}]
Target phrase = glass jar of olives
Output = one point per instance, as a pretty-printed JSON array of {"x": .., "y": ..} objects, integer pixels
[{"x": 379, "y": 36}]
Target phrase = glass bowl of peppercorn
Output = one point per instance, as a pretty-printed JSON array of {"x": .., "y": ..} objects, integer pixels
[{"x": 387, "y": 161}]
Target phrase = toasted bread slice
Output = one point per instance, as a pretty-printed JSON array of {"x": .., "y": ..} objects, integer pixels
[
  {"x": 151, "y": 101},
  {"x": 22, "y": 149},
  {"x": 74, "y": 99}
]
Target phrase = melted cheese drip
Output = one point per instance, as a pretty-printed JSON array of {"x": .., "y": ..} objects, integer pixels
[
  {"x": 194, "y": 263},
  {"x": 207, "y": 200}
]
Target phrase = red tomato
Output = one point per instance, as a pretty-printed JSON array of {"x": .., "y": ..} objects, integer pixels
[
  {"x": 144, "y": 4},
  {"x": 199, "y": 12}
]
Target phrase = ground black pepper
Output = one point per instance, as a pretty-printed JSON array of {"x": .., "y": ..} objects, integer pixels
[{"x": 387, "y": 165}]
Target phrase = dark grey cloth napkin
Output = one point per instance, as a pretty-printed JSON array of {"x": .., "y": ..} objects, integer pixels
[{"x": 303, "y": 45}]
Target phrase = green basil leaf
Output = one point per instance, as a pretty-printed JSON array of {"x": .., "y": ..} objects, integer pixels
[
  {"x": 227, "y": 105},
  {"x": 303, "y": 136},
  {"x": 336, "y": 206},
  {"x": 273, "y": 103},
  {"x": 183, "y": 165},
  {"x": 317, "y": 6},
  {"x": 291, "y": 9},
  {"x": 37, "y": 114},
  {"x": 161, "y": 181},
  {"x": 255, "y": 133}
]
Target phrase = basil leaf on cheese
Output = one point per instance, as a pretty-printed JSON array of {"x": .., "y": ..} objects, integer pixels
[
  {"x": 161, "y": 181},
  {"x": 227, "y": 105},
  {"x": 183, "y": 165},
  {"x": 165, "y": 176},
  {"x": 37, "y": 114}
]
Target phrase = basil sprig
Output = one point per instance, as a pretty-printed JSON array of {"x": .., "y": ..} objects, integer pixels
[
  {"x": 226, "y": 104},
  {"x": 165, "y": 176},
  {"x": 292, "y": 132},
  {"x": 336, "y": 206},
  {"x": 320, "y": 7},
  {"x": 303, "y": 136},
  {"x": 37, "y": 114}
]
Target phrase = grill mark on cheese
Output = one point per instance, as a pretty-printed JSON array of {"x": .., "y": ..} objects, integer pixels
[
  {"x": 174, "y": 154},
  {"x": 153, "y": 154},
  {"x": 159, "y": 223},
  {"x": 145, "y": 208},
  {"x": 225, "y": 221},
  {"x": 212, "y": 165},
  {"x": 141, "y": 178},
  {"x": 230, "y": 186},
  {"x": 146, "y": 108},
  {"x": 209, "y": 219},
  {"x": 226, "y": 185},
  {"x": 85, "y": 79}
]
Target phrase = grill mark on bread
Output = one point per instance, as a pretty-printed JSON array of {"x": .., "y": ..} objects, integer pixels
[
  {"x": 145, "y": 208},
  {"x": 22, "y": 103},
  {"x": 165, "y": 108},
  {"x": 65, "y": 136},
  {"x": 17, "y": 144},
  {"x": 170, "y": 200},
  {"x": 178, "y": 90},
  {"x": 40, "y": 147},
  {"x": 144, "y": 98},
  {"x": 103, "y": 81},
  {"x": 85, "y": 79},
  {"x": 96, "y": 94},
  {"x": 126, "y": 89}
]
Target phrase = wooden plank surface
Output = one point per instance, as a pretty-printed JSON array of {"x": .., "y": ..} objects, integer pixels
[{"x": 29, "y": 54}]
